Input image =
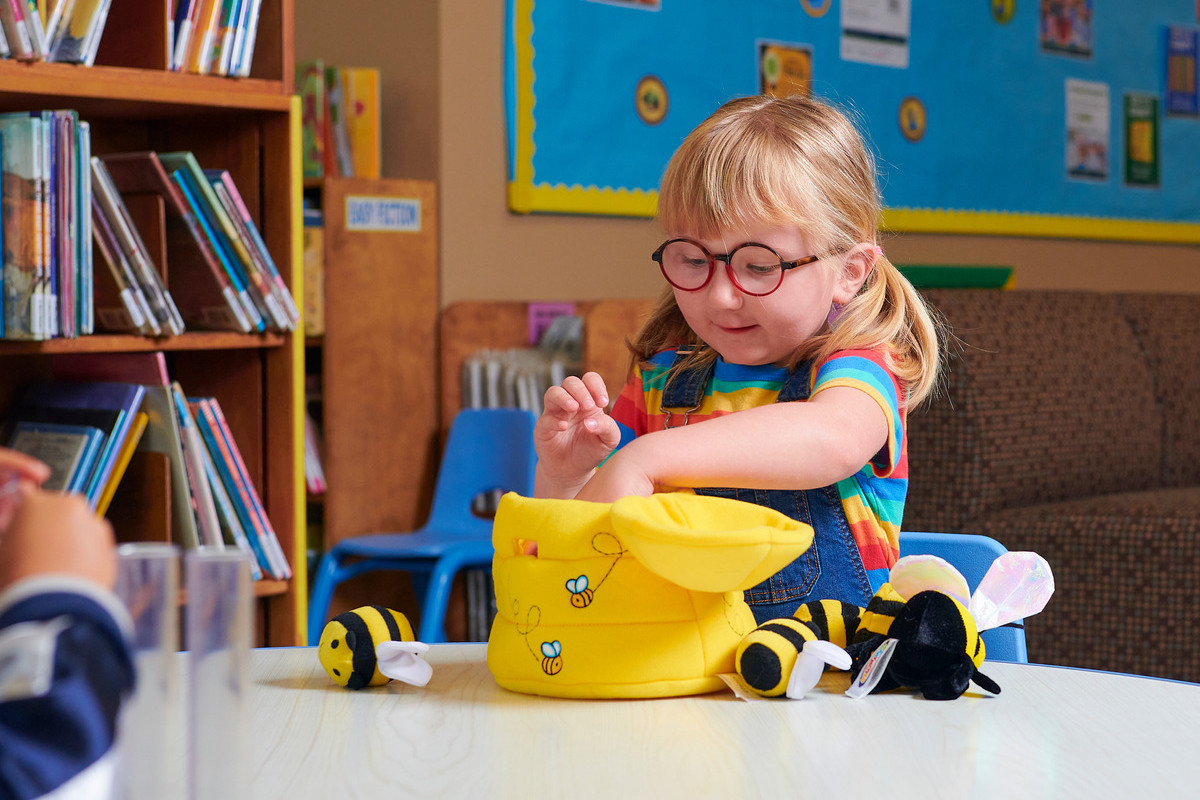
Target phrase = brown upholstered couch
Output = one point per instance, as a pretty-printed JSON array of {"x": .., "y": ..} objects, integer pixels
[{"x": 1067, "y": 425}]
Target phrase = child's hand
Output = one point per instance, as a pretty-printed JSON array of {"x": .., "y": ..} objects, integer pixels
[
  {"x": 20, "y": 474},
  {"x": 573, "y": 435},
  {"x": 57, "y": 533}
]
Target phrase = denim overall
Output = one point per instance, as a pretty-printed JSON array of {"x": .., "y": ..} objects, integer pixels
[{"x": 831, "y": 569}]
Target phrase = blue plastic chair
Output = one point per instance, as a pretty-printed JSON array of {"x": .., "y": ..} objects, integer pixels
[
  {"x": 971, "y": 555},
  {"x": 487, "y": 450}
]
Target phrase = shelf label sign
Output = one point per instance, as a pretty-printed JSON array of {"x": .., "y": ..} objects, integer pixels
[{"x": 388, "y": 214}]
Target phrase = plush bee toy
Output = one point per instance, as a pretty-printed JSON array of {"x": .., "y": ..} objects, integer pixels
[
  {"x": 919, "y": 631},
  {"x": 370, "y": 646}
]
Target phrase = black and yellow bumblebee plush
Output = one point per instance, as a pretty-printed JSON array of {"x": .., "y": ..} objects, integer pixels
[
  {"x": 370, "y": 646},
  {"x": 919, "y": 631}
]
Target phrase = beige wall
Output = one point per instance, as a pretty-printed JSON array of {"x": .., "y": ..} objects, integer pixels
[{"x": 488, "y": 253}]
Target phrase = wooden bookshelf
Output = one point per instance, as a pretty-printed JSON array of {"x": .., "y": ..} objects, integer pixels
[
  {"x": 377, "y": 366},
  {"x": 250, "y": 127}
]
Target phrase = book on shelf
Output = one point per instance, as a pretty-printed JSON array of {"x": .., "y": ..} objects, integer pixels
[
  {"x": 340, "y": 120},
  {"x": 310, "y": 85},
  {"x": 314, "y": 272},
  {"x": 17, "y": 33},
  {"x": 202, "y": 503},
  {"x": 264, "y": 293},
  {"x": 124, "y": 456},
  {"x": 361, "y": 102},
  {"x": 314, "y": 470},
  {"x": 214, "y": 36},
  {"x": 69, "y": 450},
  {"x": 129, "y": 243},
  {"x": 162, "y": 436},
  {"x": 204, "y": 291},
  {"x": 232, "y": 530},
  {"x": 245, "y": 227},
  {"x": 22, "y": 175},
  {"x": 231, "y": 468},
  {"x": 119, "y": 303}
]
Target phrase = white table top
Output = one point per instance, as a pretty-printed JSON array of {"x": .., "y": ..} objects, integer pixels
[{"x": 1052, "y": 733}]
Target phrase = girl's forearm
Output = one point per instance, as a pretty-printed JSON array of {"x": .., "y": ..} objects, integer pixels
[{"x": 783, "y": 446}]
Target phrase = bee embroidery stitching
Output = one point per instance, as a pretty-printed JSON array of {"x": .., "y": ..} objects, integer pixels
[
  {"x": 552, "y": 663},
  {"x": 581, "y": 595}
]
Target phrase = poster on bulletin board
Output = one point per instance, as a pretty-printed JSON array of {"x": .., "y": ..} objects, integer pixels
[{"x": 1064, "y": 118}]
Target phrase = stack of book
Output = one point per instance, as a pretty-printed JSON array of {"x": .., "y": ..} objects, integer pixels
[
  {"x": 103, "y": 411},
  {"x": 214, "y": 36},
  {"x": 221, "y": 274},
  {"x": 52, "y": 30},
  {"x": 340, "y": 133},
  {"x": 47, "y": 262},
  {"x": 85, "y": 432}
]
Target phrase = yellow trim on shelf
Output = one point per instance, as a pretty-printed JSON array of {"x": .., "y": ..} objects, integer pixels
[{"x": 299, "y": 513}]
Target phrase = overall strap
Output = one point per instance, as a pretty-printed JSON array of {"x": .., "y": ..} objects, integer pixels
[
  {"x": 684, "y": 390},
  {"x": 797, "y": 386}
]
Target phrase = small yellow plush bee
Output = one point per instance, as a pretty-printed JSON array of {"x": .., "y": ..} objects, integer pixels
[{"x": 370, "y": 646}]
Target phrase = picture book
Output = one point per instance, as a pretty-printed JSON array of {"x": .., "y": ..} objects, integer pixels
[
  {"x": 338, "y": 161},
  {"x": 186, "y": 12},
  {"x": 22, "y": 171},
  {"x": 199, "y": 53},
  {"x": 149, "y": 370},
  {"x": 231, "y": 524},
  {"x": 128, "y": 447},
  {"x": 230, "y": 465},
  {"x": 125, "y": 398},
  {"x": 16, "y": 32},
  {"x": 79, "y": 27},
  {"x": 227, "y": 192},
  {"x": 310, "y": 85},
  {"x": 314, "y": 272},
  {"x": 361, "y": 88},
  {"x": 229, "y": 261},
  {"x": 119, "y": 304},
  {"x": 222, "y": 56},
  {"x": 244, "y": 52},
  {"x": 210, "y": 205},
  {"x": 108, "y": 421},
  {"x": 130, "y": 242},
  {"x": 196, "y": 278},
  {"x": 202, "y": 502},
  {"x": 69, "y": 450}
]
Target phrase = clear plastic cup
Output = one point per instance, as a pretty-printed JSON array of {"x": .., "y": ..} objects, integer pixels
[
  {"x": 150, "y": 726},
  {"x": 218, "y": 631}
]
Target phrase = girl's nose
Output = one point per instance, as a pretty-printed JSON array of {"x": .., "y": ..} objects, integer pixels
[{"x": 721, "y": 289}]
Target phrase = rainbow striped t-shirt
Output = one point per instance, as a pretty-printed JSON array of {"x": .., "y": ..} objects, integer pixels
[{"x": 872, "y": 498}]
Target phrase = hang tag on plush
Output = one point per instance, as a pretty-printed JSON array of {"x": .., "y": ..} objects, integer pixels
[{"x": 872, "y": 672}]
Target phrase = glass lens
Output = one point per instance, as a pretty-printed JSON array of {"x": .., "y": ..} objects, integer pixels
[
  {"x": 757, "y": 269},
  {"x": 685, "y": 264}
]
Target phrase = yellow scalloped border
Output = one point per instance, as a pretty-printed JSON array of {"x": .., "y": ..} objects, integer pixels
[{"x": 1003, "y": 223}]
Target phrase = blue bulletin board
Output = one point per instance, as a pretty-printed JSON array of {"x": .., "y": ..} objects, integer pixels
[{"x": 1069, "y": 118}]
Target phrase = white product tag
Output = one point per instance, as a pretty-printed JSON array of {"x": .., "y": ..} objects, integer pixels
[
  {"x": 739, "y": 687},
  {"x": 872, "y": 672}
]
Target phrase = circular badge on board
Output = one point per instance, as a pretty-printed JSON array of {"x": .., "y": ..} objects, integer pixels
[
  {"x": 1003, "y": 10},
  {"x": 816, "y": 8},
  {"x": 650, "y": 99},
  {"x": 912, "y": 119}
]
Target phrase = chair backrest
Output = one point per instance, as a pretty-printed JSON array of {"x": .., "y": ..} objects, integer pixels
[
  {"x": 972, "y": 555},
  {"x": 488, "y": 449}
]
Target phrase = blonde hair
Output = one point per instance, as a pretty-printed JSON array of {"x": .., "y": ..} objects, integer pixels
[{"x": 798, "y": 162}]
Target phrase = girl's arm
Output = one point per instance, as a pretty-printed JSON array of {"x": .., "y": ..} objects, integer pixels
[{"x": 800, "y": 445}]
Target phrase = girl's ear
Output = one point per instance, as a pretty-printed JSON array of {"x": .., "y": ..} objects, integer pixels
[{"x": 858, "y": 265}]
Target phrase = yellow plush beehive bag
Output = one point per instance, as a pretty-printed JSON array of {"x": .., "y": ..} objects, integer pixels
[{"x": 638, "y": 598}]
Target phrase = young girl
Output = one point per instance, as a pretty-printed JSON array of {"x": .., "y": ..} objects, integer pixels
[{"x": 780, "y": 307}]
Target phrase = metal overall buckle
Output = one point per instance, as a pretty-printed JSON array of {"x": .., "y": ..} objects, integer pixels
[{"x": 667, "y": 422}]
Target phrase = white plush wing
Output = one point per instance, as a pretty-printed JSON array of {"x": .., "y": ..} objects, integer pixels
[
  {"x": 913, "y": 574},
  {"x": 1017, "y": 585},
  {"x": 401, "y": 661}
]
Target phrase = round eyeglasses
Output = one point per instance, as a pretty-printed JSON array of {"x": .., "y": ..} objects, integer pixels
[{"x": 754, "y": 268}]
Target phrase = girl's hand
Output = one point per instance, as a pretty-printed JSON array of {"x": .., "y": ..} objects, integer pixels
[
  {"x": 57, "y": 533},
  {"x": 573, "y": 435},
  {"x": 20, "y": 475}
]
